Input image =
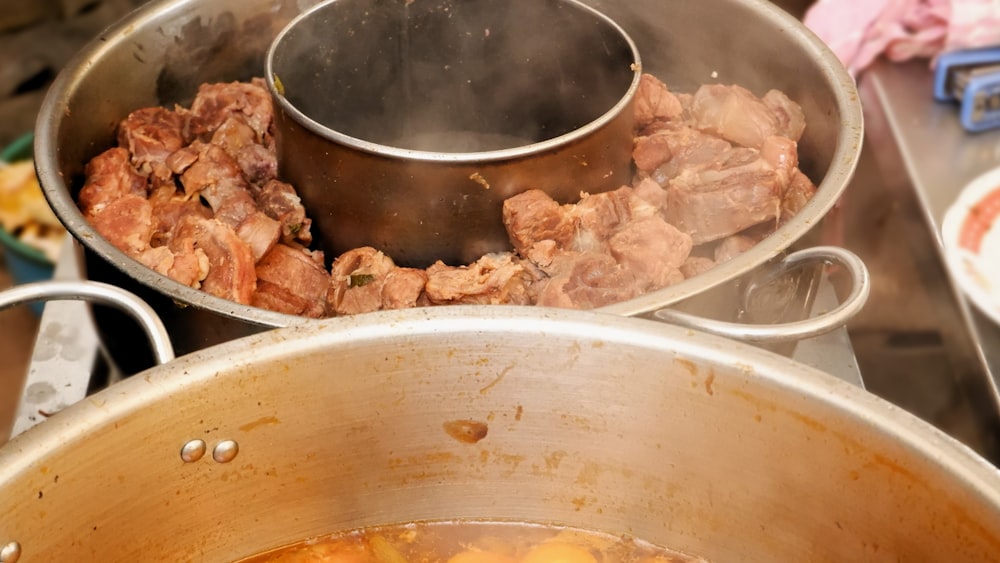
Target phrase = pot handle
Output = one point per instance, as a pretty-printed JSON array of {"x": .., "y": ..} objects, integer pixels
[
  {"x": 798, "y": 330},
  {"x": 96, "y": 292}
]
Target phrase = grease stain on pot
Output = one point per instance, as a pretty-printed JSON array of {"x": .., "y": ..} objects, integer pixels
[
  {"x": 466, "y": 431},
  {"x": 263, "y": 421},
  {"x": 496, "y": 381},
  {"x": 688, "y": 366},
  {"x": 709, "y": 381}
]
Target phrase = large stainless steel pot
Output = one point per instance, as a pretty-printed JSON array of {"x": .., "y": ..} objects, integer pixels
[
  {"x": 595, "y": 420},
  {"x": 162, "y": 52}
]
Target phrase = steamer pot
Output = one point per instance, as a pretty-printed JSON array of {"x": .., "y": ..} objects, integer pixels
[
  {"x": 612, "y": 423},
  {"x": 163, "y": 51}
]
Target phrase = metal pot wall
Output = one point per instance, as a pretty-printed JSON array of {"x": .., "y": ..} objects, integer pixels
[
  {"x": 162, "y": 52},
  {"x": 623, "y": 425}
]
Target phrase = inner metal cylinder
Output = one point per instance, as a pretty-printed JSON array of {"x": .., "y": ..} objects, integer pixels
[{"x": 404, "y": 124}]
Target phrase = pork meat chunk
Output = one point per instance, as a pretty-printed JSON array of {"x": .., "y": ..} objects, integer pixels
[
  {"x": 109, "y": 177},
  {"x": 364, "y": 279},
  {"x": 217, "y": 178},
  {"x": 281, "y": 202},
  {"x": 740, "y": 191},
  {"x": 585, "y": 280},
  {"x": 800, "y": 191},
  {"x": 652, "y": 193},
  {"x": 151, "y": 135},
  {"x": 652, "y": 250},
  {"x": 217, "y": 102},
  {"x": 231, "y": 273},
  {"x": 290, "y": 280},
  {"x": 696, "y": 265},
  {"x": 737, "y": 115},
  {"x": 257, "y": 162},
  {"x": 127, "y": 223},
  {"x": 493, "y": 279},
  {"x": 790, "y": 118},
  {"x": 598, "y": 216},
  {"x": 686, "y": 149},
  {"x": 533, "y": 216},
  {"x": 654, "y": 102}
]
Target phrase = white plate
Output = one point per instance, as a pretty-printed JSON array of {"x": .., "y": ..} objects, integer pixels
[{"x": 971, "y": 236}]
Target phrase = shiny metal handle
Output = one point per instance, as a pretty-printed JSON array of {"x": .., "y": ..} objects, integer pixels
[
  {"x": 96, "y": 292},
  {"x": 798, "y": 330}
]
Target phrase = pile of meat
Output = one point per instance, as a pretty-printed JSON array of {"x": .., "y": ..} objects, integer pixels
[{"x": 193, "y": 194}]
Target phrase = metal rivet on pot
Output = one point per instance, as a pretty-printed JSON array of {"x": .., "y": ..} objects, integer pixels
[
  {"x": 193, "y": 451},
  {"x": 10, "y": 552},
  {"x": 225, "y": 451}
]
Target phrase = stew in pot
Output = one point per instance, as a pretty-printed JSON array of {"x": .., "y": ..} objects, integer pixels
[{"x": 472, "y": 542}]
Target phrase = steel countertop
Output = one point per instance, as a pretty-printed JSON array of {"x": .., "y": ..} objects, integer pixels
[{"x": 940, "y": 158}]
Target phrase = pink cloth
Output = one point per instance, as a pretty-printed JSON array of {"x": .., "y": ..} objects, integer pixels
[{"x": 858, "y": 31}]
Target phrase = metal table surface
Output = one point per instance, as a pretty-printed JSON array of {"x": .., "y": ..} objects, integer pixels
[{"x": 940, "y": 158}]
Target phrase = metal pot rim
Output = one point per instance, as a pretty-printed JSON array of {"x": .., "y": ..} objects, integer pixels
[
  {"x": 57, "y": 192},
  {"x": 449, "y": 157},
  {"x": 759, "y": 367}
]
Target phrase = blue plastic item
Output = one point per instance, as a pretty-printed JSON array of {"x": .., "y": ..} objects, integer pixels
[
  {"x": 971, "y": 78},
  {"x": 949, "y": 63}
]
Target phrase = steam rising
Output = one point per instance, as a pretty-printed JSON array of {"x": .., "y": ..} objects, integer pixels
[{"x": 454, "y": 75}]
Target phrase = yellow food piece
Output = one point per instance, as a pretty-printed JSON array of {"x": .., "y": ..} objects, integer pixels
[
  {"x": 475, "y": 556},
  {"x": 384, "y": 551},
  {"x": 23, "y": 210},
  {"x": 558, "y": 552}
]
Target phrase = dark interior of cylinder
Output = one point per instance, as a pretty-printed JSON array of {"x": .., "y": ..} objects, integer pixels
[{"x": 454, "y": 76}]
